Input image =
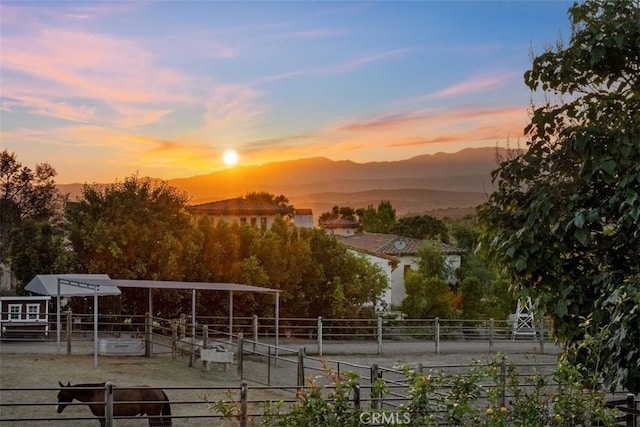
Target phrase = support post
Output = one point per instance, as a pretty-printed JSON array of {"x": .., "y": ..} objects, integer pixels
[
  {"x": 437, "y": 337},
  {"x": 174, "y": 338},
  {"x": 503, "y": 382},
  {"x": 192, "y": 357},
  {"x": 205, "y": 344},
  {"x": 58, "y": 323},
  {"x": 244, "y": 391},
  {"x": 147, "y": 334},
  {"x": 277, "y": 323},
  {"x": 255, "y": 331},
  {"x": 69, "y": 330},
  {"x": 379, "y": 335},
  {"x": 319, "y": 335},
  {"x": 630, "y": 417},
  {"x": 95, "y": 327},
  {"x": 230, "y": 316},
  {"x": 375, "y": 374},
  {"x": 240, "y": 352},
  {"x": 108, "y": 405},
  {"x": 301, "y": 367},
  {"x": 491, "y": 334}
]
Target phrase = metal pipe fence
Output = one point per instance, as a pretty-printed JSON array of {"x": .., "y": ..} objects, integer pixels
[
  {"x": 314, "y": 334},
  {"x": 205, "y": 406}
]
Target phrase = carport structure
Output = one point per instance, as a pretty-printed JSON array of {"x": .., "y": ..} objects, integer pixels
[{"x": 69, "y": 285}]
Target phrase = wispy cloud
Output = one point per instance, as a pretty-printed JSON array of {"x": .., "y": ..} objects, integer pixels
[
  {"x": 479, "y": 83},
  {"x": 365, "y": 60},
  {"x": 342, "y": 68},
  {"x": 475, "y": 84},
  {"x": 317, "y": 33}
]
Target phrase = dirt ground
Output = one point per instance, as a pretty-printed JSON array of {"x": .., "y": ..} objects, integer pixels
[
  {"x": 189, "y": 395},
  {"x": 45, "y": 370}
]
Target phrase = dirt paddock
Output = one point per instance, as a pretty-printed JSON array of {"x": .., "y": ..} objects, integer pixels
[
  {"x": 38, "y": 370},
  {"x": 45, "y": 370}
]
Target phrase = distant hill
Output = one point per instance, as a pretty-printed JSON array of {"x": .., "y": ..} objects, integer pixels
[{"x": 417, "y": 185}]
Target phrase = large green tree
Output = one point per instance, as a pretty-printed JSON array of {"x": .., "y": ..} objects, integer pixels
[
  {"x": 135, "y": 229},
  {"x": 421, "y": 227},
  {"x": 564, "y": 220},
  {"x": 378, "y": 220},
  {"x": 30, "y": 219}
]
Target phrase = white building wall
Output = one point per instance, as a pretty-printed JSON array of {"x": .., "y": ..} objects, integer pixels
[
  {"x": 303, "y": 221},
  {"x": 396, "y": 292}
]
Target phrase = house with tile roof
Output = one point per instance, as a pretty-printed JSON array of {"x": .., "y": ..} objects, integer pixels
[
  {"x": 394, "y": 255},
  {"x": 256, "y": 213},
  {"x": 340, "y": 226}
]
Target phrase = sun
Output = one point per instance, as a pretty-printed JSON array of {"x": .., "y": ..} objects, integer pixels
[{"x": 230, "y": 157}]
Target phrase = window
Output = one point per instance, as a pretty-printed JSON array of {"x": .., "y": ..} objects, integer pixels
[
  {"x": 15, "y": 311},
  {"x": 263, "y": 224},
  {"x": 254, "y": 221},
  {"x": 33, "y": 311},
  {"x": 243, "y": 220}
]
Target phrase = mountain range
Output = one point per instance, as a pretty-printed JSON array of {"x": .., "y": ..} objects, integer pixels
[{"x": 438, "y": 184}]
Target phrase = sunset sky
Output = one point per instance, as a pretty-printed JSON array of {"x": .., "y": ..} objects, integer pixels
[{"x": 103, "y": 90}]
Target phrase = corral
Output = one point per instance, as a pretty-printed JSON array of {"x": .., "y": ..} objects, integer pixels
[{"x": 31, "y": 397}]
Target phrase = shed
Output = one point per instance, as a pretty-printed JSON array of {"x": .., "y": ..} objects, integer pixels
[{"x": 24, "y": 316}]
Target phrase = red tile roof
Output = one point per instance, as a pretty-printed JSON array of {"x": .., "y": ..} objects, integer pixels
[
  {"x": 390, "y": 244},
  {"x": 339, "y": 223},
  {"x": 239, "y": 206}
]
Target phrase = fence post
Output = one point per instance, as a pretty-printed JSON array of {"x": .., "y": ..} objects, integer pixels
[
  {"x": 301, "y": 367},
  {"x": 69, "y": 330},
  {"x": 174, "y": 338},
  {"x": 503, "y": 382},
  {"x": 356, "y": 396},
  {"x": 269, "y": 365},
  {"x": 630, "y": 417},
  {"x": 205, "y": 344},
  {"x": 108, "y": 405},
  {"x": 147, "y": 334},
  {"x": 379, "y": 335},
  {"x": 375, "y": 374},
  {"x": 542, "y": 336},
  {"x": 240, "y": 353},
  {"x": 437, "y": 337},
  {"x": 319, "y": 335},
  {"x": 183, "y": 326},
  {"x": 244, "y": 391},
  {"x": 491, "y": 334},
  {"x": 255, "y": 331}
]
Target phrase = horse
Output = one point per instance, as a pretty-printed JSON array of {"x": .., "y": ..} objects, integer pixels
[{"x": 141, "y": 400}]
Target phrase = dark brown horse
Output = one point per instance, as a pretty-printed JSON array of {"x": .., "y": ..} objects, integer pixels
[{"x": 141, "y": 400}]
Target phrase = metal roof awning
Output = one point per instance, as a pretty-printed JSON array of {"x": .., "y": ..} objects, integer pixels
[
  {"x": 96, "y": 285},
  {"x": 204, "y": 286},
  {"x": 71, "y": 285}
]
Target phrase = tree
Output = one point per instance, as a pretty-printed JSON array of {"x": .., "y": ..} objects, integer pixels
[
  {"x": 131, "y": 230},
  {"x": 30, "y": 219},
  {"x": 432, "y": 261},
  {"x": 378, "y": 220},
  {"x": 421, "y": 227},
  {"x": 427, "y": 297},
  {"x": 563, "y": 222},
  {"x": 337, "y": 212},
  {"x": 465, "y": 234}
]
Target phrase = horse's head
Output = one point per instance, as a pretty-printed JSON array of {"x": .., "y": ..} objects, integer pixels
[{"x": 65, "y": 396}]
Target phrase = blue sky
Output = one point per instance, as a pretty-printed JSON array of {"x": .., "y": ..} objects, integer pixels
[{"x": 103, "y": 90}]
